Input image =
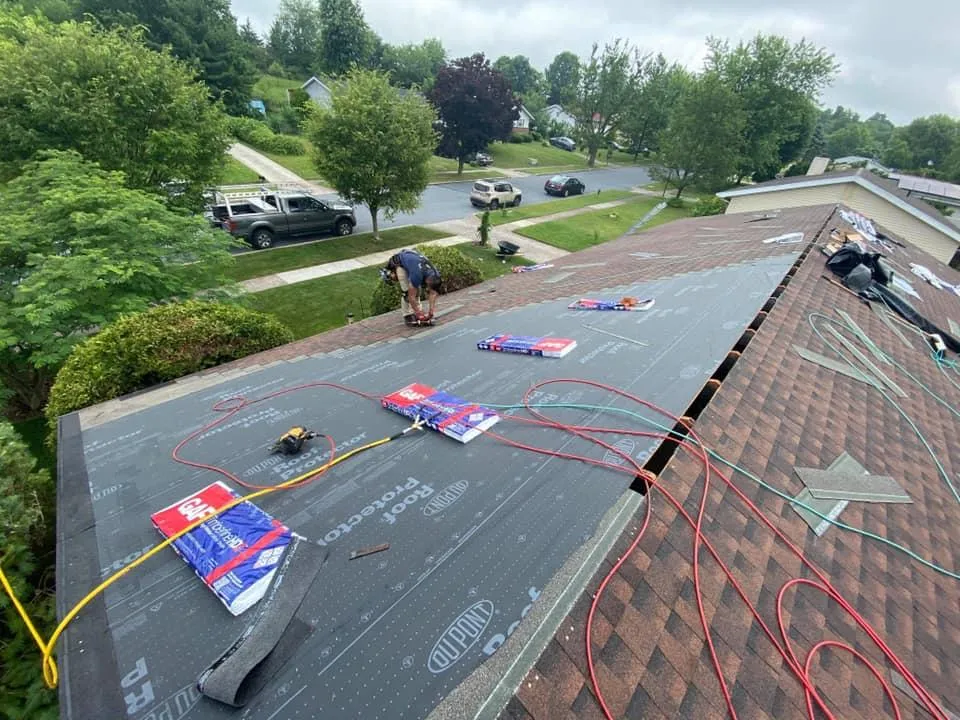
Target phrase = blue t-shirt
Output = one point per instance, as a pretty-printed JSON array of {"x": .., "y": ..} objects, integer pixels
[{"x": 416, "y": 265}]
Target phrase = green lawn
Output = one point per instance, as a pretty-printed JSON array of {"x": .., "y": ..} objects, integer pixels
[
  {"x": 592, "y": 228},
  {"x": 257, "y": 264},
  {"x": 302, "y": 165},
  {"x": 311, "y": 307},
  {"x": 314, "y": 306},
  {"x": 490, "y": 265},
  {"x": 524, "y": 212},
  {"x": 512, "y": 155},
  {"x": 273, "y": 90},
  {"x": 236, "y": 173},
  {"x": 668, "y": 214},
  {"x": 34, "y": 434},
  {"x": 445, "y": 170}
]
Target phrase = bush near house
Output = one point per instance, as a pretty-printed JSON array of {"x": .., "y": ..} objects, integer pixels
[
  {"x": 259, "y": 135},
  {"x": 709, "y": 205},
  {"x": 161, "y": 344},
  {"x": 26, "y": 524},
  {"x": 457, "y": 269}
]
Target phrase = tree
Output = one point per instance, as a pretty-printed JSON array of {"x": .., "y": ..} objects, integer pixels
[
  {"x": 80, "y": 248},
  {"x": 295, "y": 35},
  {"x": 608, "y": 82},
  {"x": 897, "y": 154},
  {"x": 881, "y": 128},
  {"x": 931, "y": 140},
  {"x": 345, "y": 38},
  {"x": 414, "y": 65},
  {"x": 475, "y": 104},
  {"x": 111, "y": 98},
  {"x": 563, "y": 78},
  {"x": 660, "y": 85},
  {"x": 200, "y": 32},
  {"x": 374, "y": 146},
  {"x": 524, "y": 79},
  {"x": 854, "y": 139},
  {"x": 254, "y": 47},
  {"x": 699, "y": 146},
  {"x": 26, "y": 502},
  {"x": 775, "y": 81}
]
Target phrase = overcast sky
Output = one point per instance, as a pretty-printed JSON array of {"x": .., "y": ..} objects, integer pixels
[{"x": 899, "y": 58}]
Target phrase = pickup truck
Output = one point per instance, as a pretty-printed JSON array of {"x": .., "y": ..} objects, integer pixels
[{"x": 263, "y": 218}]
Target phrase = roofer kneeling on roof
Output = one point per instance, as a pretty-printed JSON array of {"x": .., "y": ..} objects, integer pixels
[{"x": 413, "y": 271}]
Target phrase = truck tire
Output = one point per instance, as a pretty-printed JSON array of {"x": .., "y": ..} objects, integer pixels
[
  {"x": 494, "y": 204},
  {"x": 261, "y": 238},
  {"x": 343, "y": 227},
  {"x": 516, "y": 200}
]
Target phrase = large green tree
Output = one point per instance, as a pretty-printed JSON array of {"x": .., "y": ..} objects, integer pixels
[
  {"x": 255, "y": 47},
  {"x": 607, "y": 89},
  {"x": 523, "y": 77},
  {"x": 777, "y": 82},
  {"x": 563, "y": 78},
  {"x": 931, "y": 140},
  {"x": 294, "y": 36},
  {"x": 660, "y": 86},
  {"x": 111, "y": 98},
  {"x": 345, "y": 38},
  {"x": 374, "y": 146},
  {"x": 203, "y": 33},
  {"x": 475, "y": 104},
  {"x": 80, "y": 248},
  {"x": 414, "y": 65},
  {"x": 699, "y": 146}
]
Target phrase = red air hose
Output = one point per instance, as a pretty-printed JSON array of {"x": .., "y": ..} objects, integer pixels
[{"x": 231, "y": 406}]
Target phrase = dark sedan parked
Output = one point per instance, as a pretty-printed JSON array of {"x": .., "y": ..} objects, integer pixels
[{"x": 563, "y": 186}]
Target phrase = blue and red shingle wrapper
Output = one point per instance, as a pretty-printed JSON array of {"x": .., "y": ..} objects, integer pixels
[
  {"x": 235, "y": 553},
  {"x": 624, "y": 304},
  {"x": 527, "y": 345},
  {"x": 454, "y": 417}
]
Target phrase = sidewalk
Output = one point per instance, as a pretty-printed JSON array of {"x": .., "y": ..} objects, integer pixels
[
  {"x": 291, "y": 277},
  {"x": 461, "y": 231},
  {"x": 272, "y": 171}
]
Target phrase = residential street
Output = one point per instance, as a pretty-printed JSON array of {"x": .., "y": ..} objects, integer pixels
[{"x": 449, "y": 201}]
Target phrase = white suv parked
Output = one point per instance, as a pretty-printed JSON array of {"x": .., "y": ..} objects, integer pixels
[{"x": 494, "y": 194}]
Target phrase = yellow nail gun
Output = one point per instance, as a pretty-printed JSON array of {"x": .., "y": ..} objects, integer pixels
[{"x": 291, "y": 442}]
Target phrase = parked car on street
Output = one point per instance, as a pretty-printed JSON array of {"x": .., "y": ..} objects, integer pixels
[
  {"x": 564, "y": 143},
  {"x": 563, "y": 186},
  {"x": 494, "y": 194},
  {"x": 480, "y": 159},
  {"x": 262, "y": 219}
]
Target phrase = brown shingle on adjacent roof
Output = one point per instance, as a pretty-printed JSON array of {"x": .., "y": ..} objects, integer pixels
[{"x": 775, "y": 411}]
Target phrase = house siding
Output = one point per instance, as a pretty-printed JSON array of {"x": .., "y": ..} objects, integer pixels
[{"x": 904, "y": 225}]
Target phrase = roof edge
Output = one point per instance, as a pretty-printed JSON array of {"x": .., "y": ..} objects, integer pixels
[{"x": 926, "y": 218}]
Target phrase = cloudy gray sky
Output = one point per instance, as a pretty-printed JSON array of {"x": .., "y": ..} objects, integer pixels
[{"x": 897, "y": 57}]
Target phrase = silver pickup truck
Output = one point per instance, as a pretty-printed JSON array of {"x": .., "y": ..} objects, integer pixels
[{"x": 262, "y": 218}]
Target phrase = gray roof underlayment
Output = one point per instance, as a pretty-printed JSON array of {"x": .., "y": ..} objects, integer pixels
[{"x": 520, "y": 540}]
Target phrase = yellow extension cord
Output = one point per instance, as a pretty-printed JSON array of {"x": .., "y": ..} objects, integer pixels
[{"x": 50, "y": 675}]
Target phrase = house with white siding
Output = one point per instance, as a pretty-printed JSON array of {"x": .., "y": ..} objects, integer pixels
[{"x": 875, "y": 197}]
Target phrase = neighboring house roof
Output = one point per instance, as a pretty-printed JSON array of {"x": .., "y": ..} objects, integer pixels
[
  {"x": 524, "y": 111},
  {"x": 882, "y": 187},
  {"x": 557, "y": 113},
  {"x": 313, "y": 82},
  {"x": 929, "y": 188}
]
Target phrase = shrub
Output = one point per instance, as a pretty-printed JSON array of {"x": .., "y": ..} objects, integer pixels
[
  {"x": 26, "y": 499},
  {"x": 675, "y": 202},
  {"x": 258, "y": 134},
  {"x": 710, "y": 205},
  {"x": 526, "y": 137},
  {"x": 458, "y": 271},
  {"x": 515, "y": 138},
  {"x": 158, "y": 345}
]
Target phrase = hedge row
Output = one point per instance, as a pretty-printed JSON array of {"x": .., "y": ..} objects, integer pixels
[
  {"x": 259, "y": 135},
  {"x": 158, "y": 345},
  {"x": 458, "y": 271}
]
